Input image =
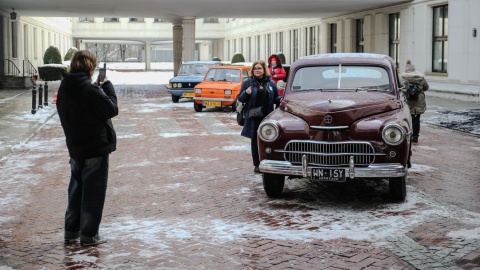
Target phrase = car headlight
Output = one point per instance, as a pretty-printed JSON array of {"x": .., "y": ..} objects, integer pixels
[
  {"x": 268, "y": 132},
  {"x": 198, "y": 90},
  {"x": 393, "y": 134},
  {"x": 179, "y": 85},
  {"x": 227, "y": 92}
]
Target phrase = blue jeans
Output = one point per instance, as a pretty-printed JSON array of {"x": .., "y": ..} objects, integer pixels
[{"x": 86, "y": 195}]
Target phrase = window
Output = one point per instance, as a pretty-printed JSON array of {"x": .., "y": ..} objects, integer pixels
[
  {"x": 26, "y": 41},
  {"x": 440, "y": 39},
  {"x": 210, "y": 20},
  {"x": 359, "y": 36},
  {"x": 313, "y": 40},
  {"x": 268, "y": 45},
  {"x": 280, "y": 41},
  {"x": 394, "y": 36},
  {"x": 136, "y": 19},
  {"x": 158, "y": 20},
  {"x": 295, "y": 41},
  {"x": 110, "y": 19},
  {"x": 86, "y": 19},
  {"x": 14, "y": 40},
  {"x": 35, "y": 43},
  {"x": 333, "y": 37}
]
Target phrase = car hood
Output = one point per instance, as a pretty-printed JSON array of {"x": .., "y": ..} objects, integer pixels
[
  {"x": 218, "y": 85},
  {"x": 186, "y": 79},
  {"x": 344, "y": 107}
]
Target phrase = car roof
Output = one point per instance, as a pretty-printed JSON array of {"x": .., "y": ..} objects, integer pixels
[
  {"x": 345, "y": 58},
  {"x": 202, "y": 62},
  {"x": 230, "y": 67}
]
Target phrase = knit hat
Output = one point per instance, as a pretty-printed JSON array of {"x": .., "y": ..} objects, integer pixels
[{"x": 410, "y": 67}]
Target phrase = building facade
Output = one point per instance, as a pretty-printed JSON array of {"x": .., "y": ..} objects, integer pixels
[{"x": 439, "y": 36}]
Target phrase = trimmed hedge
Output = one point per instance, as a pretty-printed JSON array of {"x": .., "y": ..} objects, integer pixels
[
  {"x": 281, "y": 56},
  {"x": 52, "y": 56},
  {"x": 70, "y": 53},
  {"x": 238, "y": 57},
  {"x": 216, "y": 59}
]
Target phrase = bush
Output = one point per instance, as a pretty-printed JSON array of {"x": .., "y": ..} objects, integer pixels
[
  {"x": 51, "y": 72},
  {"x": 281, "y": 56},
  {"x": 216, "y": 59},
  {"x": 70, "y": 53},
  {"x": 52, "y": 56},
  {"x": 238, "y": 57}
]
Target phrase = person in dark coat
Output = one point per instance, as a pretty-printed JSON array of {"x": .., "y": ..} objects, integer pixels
[
  {"x": 419, "y": 106},
  {"x": 85, "y": 110},
  {"x": 258, "y": 91},
  {"x": 277, "y": 72}
]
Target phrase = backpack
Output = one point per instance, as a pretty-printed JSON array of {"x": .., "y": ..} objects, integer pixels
[{"x": 413, "y": 91}]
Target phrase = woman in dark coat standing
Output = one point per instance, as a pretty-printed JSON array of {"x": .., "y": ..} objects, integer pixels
[
  {"x": 258, "y": 91},
  {"x": 85, "y": 110}
]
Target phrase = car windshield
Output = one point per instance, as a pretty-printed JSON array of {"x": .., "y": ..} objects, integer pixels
[
  {"x": 341, "y": 77},
  {"x": 223, "y": 74},
  {"x": 194, "y": 69}
]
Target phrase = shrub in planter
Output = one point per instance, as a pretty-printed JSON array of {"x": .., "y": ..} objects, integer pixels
[
  {"x": 70, "y": 53},
  {"x": 238, "y": 57},
  {"x": 216, "y": 59},
  {"x": 51, "y": 70}
]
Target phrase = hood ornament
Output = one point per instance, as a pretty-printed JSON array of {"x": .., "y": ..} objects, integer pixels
[
  {"x": 329, "y": 101},
  {"x": 328, "y": 119}
]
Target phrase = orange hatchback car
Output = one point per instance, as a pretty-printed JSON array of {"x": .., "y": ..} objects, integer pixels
[{"x": 220, "y": 87}]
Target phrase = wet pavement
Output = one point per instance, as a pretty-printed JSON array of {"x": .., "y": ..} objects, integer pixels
[{"x": 182, "y": 195}]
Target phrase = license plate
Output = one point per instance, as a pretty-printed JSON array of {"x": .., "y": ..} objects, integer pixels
[
  {"x": 213, "y": 103},
  {"x": 333, "y": 175},
  {"x": 188, "y": 95}
]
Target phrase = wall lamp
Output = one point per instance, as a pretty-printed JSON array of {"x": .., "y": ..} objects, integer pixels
[{"x": 13, "y": 15}]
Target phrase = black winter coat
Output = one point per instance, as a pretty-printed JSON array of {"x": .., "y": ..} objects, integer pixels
[{"x": 85, "y": 112}]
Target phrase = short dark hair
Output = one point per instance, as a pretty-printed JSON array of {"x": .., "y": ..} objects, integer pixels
[{"x": 83, "y": 61}]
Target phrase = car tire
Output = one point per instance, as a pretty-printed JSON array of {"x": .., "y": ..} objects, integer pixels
[
  {"x": 175, "y": 99},
  {"x": 398, "y": 188},
  {"x": 273, "y": 184},
  {"x": 197, "y": 107}
]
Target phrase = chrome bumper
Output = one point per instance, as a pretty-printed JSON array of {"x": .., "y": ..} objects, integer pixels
[
  {"x": 213, "y": 99},
  {"x": 380, "y": 170}
]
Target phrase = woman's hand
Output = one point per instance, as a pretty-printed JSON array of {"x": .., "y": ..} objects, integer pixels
[{"x": 249, "y": 90}]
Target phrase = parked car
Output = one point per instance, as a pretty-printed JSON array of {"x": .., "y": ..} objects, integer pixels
[
  {"x": 220, "y": 87},
  {"x": 343, "y": 116},
  {"x": 190, "y": 74}
]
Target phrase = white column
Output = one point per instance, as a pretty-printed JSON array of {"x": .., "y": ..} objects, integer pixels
[
  {"x": 177, "y": 47},
  {"x": 148, "y": 49},
  {"x": 323, "y": 38},
  {"x": 188, "y": 39}
]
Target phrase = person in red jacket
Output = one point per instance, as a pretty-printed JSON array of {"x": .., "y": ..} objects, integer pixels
[{"x": 277, "y": 72}]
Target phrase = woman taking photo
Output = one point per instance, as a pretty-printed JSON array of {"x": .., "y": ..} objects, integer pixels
[{"x": 259, "y": 94}]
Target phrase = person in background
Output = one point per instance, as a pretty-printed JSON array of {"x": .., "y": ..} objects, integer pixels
[
  {"x": 277, "y": 72},
  {"x": 258, "y": 91},
  {"x": 85, "y": 110},
  {"x": 418, "y": 106}
]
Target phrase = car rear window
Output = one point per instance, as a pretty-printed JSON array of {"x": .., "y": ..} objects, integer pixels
[{"x": 341, "y": 77}]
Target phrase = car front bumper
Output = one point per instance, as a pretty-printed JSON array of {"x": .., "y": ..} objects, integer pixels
[{"x": 375, "y": 170}]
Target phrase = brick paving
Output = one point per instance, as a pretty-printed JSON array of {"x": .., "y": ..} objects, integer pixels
[{"x": 182, "y": 195}]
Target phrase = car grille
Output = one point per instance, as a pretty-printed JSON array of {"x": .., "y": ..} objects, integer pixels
[{"x": 330, "y": 153}]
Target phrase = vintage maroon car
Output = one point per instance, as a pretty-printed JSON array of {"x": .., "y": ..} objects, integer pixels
[{"x": 342, "y": 117}]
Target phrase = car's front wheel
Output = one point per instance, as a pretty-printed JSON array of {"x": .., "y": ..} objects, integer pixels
[
  {"x": 398, "y": 188},
  {"x": 197, "y": 107},
  {"x": 175, "y": 99},
  {"x": 273, "y": 184}
]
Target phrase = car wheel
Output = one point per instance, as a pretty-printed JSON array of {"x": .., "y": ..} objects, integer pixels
[
  {"x": 175, "y": 99},
  {"x": 273, "y": 184},
  {"x": 197, "y": 107},
  {"x": 398, "y": 188}
]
